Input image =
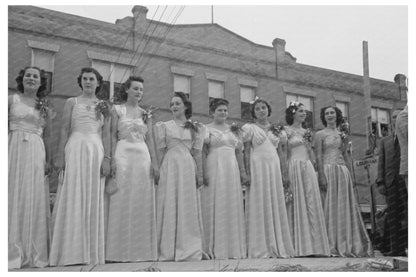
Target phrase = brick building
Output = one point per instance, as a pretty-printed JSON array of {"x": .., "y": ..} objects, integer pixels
[{"x": 203, "y": 60}]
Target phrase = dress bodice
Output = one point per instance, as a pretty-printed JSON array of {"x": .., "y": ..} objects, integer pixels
[
  {"x": 84, "y": 119},
  {"x": 24, "y": 118},
  {"x": 331, "y": 149},
  {"x": 296, "y": 144},
  {"x": 129, "y": 128},
  {"x": 170, "y": 135},
  {"x": 258, "y": 136},
  {"x": 217, "y": 138}
]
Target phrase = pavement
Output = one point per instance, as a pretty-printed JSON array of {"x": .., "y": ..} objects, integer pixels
[{"x": 291, "y": 264}]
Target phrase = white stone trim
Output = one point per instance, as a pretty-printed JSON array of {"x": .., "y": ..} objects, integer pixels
[
  {"x": 182, "y": 71},
  {"x": 43, "y": 45},
  {"x": 299, "y": 91},
  {"x": 247, "y": 82},
  {"x": 111, "y": 58},
  {"x": 216, "y": 77},
  {"x": 382, "y": 104},
  {"x": 342, "y": 98}
]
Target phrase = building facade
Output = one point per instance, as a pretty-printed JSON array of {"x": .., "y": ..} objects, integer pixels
[{"x": 203, "y": 60}]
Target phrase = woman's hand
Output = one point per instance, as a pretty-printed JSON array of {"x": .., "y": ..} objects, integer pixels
[
  {"x": 245, "y": 180},
  {"x": 199, "y": 181},
  {"x": 59, "y": 162},
  {"x": 105, "y": 167}
]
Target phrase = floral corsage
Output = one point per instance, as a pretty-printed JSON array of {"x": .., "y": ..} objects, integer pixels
[
  {"x": 344, "y": 130},
  {"x": 43, "y": 106},
  {"x": 307, "y": 136},
  {"x": 102, "y": 108},
  {"x": 148, "y": 113},
  {"x": 235, "y": 128},
  {"x": 192, "y": 125},
  {"x": 276, "y": 129}
]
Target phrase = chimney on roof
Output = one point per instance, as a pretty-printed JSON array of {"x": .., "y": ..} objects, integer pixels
[
  {"x": 279, "y": 47},
  {"x": 139, "y": 14},
  {"x": 401, "y": 81}
]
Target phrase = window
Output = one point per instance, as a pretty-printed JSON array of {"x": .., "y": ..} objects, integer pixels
[
  {"x": 182, "y": 83},
  {"x": 308, "y": 104},
  {"x": 44, "y": 60},
  {"x": 215, "y": 90},
  {"x": 247, "y": 95},
  {"x": 343, "y": 106},
  {"x": 114, "y": 75},
  {"x": 380, "y": 122}
]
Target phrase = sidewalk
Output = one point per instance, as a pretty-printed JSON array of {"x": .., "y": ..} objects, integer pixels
[{"x": 293, "y": 264}]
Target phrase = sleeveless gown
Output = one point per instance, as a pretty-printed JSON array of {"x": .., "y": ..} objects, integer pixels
[
  {"x": 306, "y": 216},
  {"x": 131, "y": 231},
  {"x": 78, "y": 231},
  {"x": 268, "y": 233},
  {"x": 222, "y": 199},
  {"x": 28, "y": 192},
  {"x": 346, "y": 231}
]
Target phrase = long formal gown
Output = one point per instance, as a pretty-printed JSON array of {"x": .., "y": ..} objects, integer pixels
[
  {"x": 131, "y": 231},
  {"x": 306, "y": 216},
  {"x": 78, "y": 231},
  {"x": 268, "y": 232},
  {"x": 346, "y": 231},
  {"x": 222, "y": 199},
  {"x": 178, "y": 210},
  {"x": 29, "y": 212}
]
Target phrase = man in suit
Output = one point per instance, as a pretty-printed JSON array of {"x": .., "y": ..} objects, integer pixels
[
  {"x": 402, "y": 133},
  {"x": 393, "y": 187}
]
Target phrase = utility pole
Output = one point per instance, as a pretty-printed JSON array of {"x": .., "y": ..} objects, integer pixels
[
  {"x": 367, "y": 95},
  {"x": 212, "y": 14}
]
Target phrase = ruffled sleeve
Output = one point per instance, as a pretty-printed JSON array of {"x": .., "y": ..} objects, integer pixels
[
  {"x": 160, "y": 135},
  {"x": 199, "y": 137},
  {"x": 247, "y": 134}
]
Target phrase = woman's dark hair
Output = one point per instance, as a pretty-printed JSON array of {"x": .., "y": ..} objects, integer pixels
[
  {"x": 216, "y": 102},
  {"x": 253, "y": 106},
  {"x": 291, "y": 110},
  {"x": 97, "y": 75},
  {"x": 338, "y": 112},
  {"x": 126, "y": 85},
  {"x": 186, "y": 102},
  {"x": 19, "y": 80}
]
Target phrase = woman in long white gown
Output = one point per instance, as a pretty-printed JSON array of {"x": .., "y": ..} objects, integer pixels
[
  {"x": 28, "y": 193},
  {"x": 346, "y": 230},
  {"x": 178, "y": 211},
  {"x": 222, "y": 195},
  {"x": 268, "y": 232},
  {"x": 306, "y": 216},
  {"x": 78, "y": 231},
  {"x": 131, "y": 229}
]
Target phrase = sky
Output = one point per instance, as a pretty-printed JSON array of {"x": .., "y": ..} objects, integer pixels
[{"x": 320, "y": 35}]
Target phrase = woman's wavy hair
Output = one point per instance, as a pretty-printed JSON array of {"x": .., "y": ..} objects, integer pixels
[
  {"x": 186, "y": 102},
  {"x": 97, "y": 75},
  {"x": 216, "y": 102},
  {"x": 291, "y": 110},
  {"x": 126, "y": 85},
  {"x": 253, "y": 106},
  {"x": 43, "y": 81},
  {"x": 338, "y": 112}
]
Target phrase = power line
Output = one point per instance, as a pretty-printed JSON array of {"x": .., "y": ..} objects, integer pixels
[{"x": 178, "y": 14}]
